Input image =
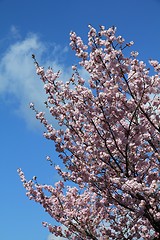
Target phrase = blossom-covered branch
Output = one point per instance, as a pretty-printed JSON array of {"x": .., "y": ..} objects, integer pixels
[{"x": 109, "y": 141}]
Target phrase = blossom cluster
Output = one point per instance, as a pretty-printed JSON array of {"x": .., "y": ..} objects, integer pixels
[{"x": 109, "y": 141}]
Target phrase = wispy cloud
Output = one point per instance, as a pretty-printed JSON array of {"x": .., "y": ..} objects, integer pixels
[{"x": 18, "y": 80}]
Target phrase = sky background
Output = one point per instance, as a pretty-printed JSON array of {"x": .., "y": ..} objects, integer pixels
[{"x": 42, "y": 28}]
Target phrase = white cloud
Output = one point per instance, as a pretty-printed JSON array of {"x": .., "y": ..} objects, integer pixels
[
  {"x": 19, "y": 83},
  {"x": 18, "y": 79}
]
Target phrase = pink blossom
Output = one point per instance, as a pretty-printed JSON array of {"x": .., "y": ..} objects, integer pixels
[{"x": 108, "y": 143}]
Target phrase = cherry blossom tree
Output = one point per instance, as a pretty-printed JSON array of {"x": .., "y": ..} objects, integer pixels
[{"x": 108, "y": 140}]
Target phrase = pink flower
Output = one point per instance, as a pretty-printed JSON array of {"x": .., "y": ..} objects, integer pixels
[{"x": 107, "y": 138}]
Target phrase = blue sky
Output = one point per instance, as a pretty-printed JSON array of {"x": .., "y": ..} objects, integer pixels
[{"x": 42, "y": 28}]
